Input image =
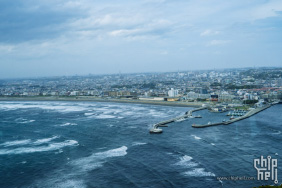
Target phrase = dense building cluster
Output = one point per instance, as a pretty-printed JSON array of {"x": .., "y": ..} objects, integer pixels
[{"x": 232, "y": 85}]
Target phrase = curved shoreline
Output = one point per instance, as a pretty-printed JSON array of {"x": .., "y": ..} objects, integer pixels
[{"x": 94, "y": 99}]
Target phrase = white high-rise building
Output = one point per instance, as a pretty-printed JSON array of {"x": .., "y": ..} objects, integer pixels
[{"x": 172, "y": 92}]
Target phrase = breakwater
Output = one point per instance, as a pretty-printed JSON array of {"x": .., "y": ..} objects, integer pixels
[
  {"x": 247, "y": 115},
  {"x": 188, "y": 114}
]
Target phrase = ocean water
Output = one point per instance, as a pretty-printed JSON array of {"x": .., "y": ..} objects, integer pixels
[{"x": 91, "y": 144}]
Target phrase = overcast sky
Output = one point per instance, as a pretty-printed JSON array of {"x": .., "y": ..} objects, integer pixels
[{"x": 67, "y": 37}]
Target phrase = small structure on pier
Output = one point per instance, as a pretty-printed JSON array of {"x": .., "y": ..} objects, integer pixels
[{"x": 156, "y": 131}]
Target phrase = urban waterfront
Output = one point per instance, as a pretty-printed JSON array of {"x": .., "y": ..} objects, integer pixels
[
  {"x": 150, "y": 93},
  {"x": 92, "y": 144}
]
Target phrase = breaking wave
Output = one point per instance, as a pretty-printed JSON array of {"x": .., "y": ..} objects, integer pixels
[
  {"x": 28, "y": 142},
  {"x": 97, "y": 159},
  {"x": 78, "y": 168},
  {"x": 50, "y": 147},
  {"x": 138, "y": 143},
  {"x": 61, "y": 107},
  {"x": 16, "y": 143},
  {"x": 28, "y": 121},
  {"x": 45, "y": 140},
  {"x": 104, "y": 116},
  {"x": 196, "y": 137},
  {"x": 199, "y": 172},
  {"x": 185, "y": 161},
  {"x": 67, "y": 124},
  {"x": 188, "y": 163}
]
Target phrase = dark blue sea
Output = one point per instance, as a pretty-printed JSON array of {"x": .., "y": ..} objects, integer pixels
[{"x": 91, "y": 144}]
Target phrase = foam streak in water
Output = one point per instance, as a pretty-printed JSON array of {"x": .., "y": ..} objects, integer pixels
[
  {"x": 28, "y": 121},
  {"x": 16, "y": 143},
  {"x": 50, "y": 147},
  {"x": 196, "y": 137},
  {"x": 199, "y": 172},
  {"x": 186, "y": 162},
  {"x": 62, "y": 107},
  {"x": 44, "y": 140},
  {"x": 97, "y": 159},
  {"x": 138, "y": 143},
  {"x": 81, "y": 167},
  {"x": 67, "y": 124},
  {"x": 28, "y": 142}
]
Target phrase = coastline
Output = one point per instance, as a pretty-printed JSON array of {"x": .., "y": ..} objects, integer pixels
[{"x": 95, "y": 99}]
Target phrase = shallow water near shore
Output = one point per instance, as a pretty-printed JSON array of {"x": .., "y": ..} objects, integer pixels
[{"x": 93, "y": 144}]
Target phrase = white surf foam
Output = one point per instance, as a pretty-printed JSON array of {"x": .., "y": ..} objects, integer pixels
[
  {"x": 70, "y": 183},
  {"x": 62, "y": 107},
  {"x": 16, "y": 143},
  {"x": 199, "y": 172},
  {"x": 155, "y": 113},
  {"x": 20, "y": 120},
  {"x": 45, "y": 140},
  {"x": 279, "y": 132},
  {"x": 50, "y": 147},
  {"x": 185, "y": 161},
  {"x": 88, "y": 114},
  {"x": 96, "y": 160},
  {"x": 132, "y": 127},
  {"x": 28, "y": 142},
  {"x": 129, "y": 113},
  {"x": 102, "y": 110},
  {"x": 186, "y": 158},
  {"x": 117, "y": 111},
  {"x": 138, "y": 143},
  {"x": 113, "y": 153},
  {"x": 196, "y": 137},
  {"x": 29, "y": 121},
  {"x": 60, "y": 151},
  {"x": 104, "y": 116},
  {"x": 59, "y": 180},
  {"x": 67, "y": 124}
]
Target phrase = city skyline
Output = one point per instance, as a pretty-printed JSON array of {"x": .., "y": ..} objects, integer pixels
[{"x": 65, "y": 38}]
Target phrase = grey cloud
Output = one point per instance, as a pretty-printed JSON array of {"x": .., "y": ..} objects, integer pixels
[{"x": 22, "y": 21}]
